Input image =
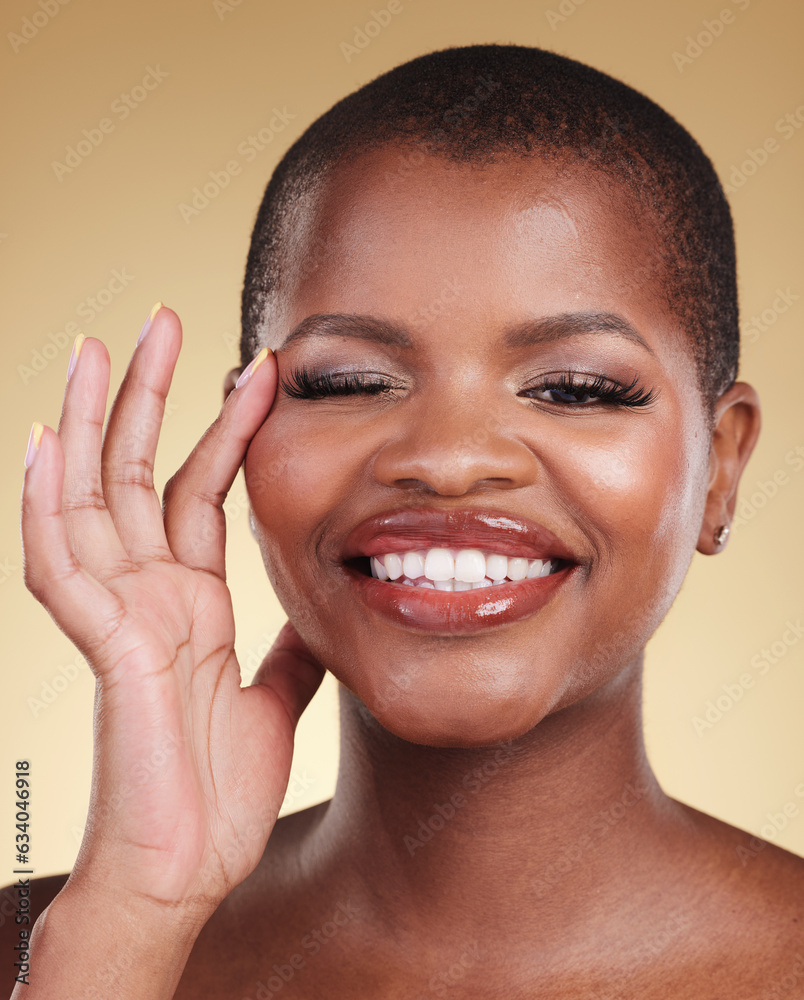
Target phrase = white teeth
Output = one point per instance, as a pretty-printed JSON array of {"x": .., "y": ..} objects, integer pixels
[
  {"x": 496, "y": 567},
  {"x": 439, "y": 566},
  {"x": 457, "y": 569},
  {"x": 470, "y": 566},
  {"x": 413, "y": 565},
  {"x": 393, "y": 566},
  {"x": 534, "y": 568},
  {"x": 517, "y": 568},
  {"x": 378, "y": 568}
]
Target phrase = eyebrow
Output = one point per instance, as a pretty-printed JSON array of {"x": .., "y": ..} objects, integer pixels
[
  {"x": 547, "y": 329},
  {"x": 551, "y": 328},
  {"x": 381, "y": 331}
]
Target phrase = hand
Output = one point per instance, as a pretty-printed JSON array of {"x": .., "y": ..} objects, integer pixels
[{"x": 190, "y": 769}]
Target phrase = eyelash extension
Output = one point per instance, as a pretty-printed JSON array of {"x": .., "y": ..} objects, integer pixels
[
  {"x": 306, "y": 384},
  {"x": 598, "y": 387}
]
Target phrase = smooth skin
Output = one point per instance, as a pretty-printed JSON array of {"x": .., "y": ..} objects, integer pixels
[{"x": 565, "y": 871}]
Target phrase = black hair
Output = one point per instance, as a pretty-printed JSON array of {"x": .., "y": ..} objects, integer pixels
[{"x": 472, "y": 103}]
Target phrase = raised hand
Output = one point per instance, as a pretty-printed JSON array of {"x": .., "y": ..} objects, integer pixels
[{"x": 190, "y": 769}]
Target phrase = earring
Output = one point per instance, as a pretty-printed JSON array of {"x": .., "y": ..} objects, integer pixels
[
  {"x": 252, "y": 523},
  {"x": 722, "y": 534}
]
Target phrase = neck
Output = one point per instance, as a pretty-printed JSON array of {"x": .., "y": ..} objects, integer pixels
[{"x": 531, "y": 826}]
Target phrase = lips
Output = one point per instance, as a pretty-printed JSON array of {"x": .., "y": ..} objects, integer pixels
[
  {"x": 425, "y": 528},
  {"x": 417, "y": 528}
]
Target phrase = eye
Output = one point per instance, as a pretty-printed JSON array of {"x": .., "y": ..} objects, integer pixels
[
  {"x": 578, "y": 396},
  {"x": 577, "y": 390},
  {"x": 303, "y": 383}
]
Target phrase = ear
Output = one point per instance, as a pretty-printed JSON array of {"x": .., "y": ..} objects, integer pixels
[
  {"x": 229, "y": 382},
  {"x": 737, "y": 424}
]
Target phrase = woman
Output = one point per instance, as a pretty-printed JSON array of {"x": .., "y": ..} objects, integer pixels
[{"x": 491, "y": 307}]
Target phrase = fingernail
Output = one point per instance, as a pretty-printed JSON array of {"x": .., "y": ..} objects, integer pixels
[
  {"x": 146, "y": 326},
  {"x": 33, "y": 443},
  {"x": 252, "y": 366},
  {"x": 78, "y": 343}
]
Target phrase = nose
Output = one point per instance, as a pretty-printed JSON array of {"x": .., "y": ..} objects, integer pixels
[{"x": 455, "y": 451}]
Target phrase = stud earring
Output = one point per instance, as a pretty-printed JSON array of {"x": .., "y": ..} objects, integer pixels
[
  {"x": 252, "y": 523},
  {"x": 722, "y": 534}
]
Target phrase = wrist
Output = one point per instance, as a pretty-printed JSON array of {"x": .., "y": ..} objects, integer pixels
[
  {"x": 89, "y": 945},
  {"x": 91, "y": 893}
]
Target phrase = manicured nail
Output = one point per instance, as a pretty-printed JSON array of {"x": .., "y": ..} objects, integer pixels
[
  {"x": 252, "y": 366},
  {"x": 33, "y": 443},
  {"x": 146, "y": 326},
  {"x": 78, "y": 343}
]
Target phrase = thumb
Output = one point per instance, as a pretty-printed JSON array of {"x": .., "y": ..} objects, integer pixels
[{"x": 291, "y": 671}]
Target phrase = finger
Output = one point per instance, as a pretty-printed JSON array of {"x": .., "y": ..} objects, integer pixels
[
  {"x": 291, "y": 671},
  {"x": 92, "y": 536},
  {"x": 129, "y": 447},
  {"x": 195, "y": 524},
  {"x": 87, "y": 613}
]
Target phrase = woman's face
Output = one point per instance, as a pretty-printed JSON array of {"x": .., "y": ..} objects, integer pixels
[{"x": 490, "y": 306}]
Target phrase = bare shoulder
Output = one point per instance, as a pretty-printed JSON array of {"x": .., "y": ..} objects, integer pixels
[
  {"x": 746, "y": 900},
  {"x": 21, "y": 905}
]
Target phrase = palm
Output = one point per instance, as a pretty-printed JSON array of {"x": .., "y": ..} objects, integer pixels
[{"x": 191, "y": 769}]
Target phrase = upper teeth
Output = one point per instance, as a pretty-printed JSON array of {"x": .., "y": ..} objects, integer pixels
[{"x": 459, "y": 569}]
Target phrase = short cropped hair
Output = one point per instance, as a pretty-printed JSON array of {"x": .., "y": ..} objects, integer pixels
[{"x": 469, "y": 103}]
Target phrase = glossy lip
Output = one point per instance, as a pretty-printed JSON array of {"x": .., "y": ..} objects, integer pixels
[
  {"x": 455, "y": 612},
  {"x": 410, "y": 528}
]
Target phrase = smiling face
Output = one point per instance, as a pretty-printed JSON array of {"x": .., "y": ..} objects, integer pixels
[{"x": 517, "y": 387}]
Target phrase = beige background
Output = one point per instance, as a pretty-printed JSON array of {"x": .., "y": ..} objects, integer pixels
[{"x": 227, "y": 67}]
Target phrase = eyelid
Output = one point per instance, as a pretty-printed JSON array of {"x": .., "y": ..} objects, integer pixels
[
  {"x": 303, "y": 382},
  {"x": 602, "y": 389}
]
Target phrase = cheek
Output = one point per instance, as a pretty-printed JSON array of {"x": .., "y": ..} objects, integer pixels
[
  {"x": 301, "y": 475},
  {"x": 639, "y": 495},
  {"x": 292, "y": 474}
]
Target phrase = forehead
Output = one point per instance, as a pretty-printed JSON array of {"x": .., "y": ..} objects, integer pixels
[{"x": 390, "y": 231}]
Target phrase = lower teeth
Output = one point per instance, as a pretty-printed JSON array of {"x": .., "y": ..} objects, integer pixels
[{"x": 458, "y": 585}]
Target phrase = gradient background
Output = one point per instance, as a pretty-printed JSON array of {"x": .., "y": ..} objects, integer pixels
[{"x": 228, "y": 66}]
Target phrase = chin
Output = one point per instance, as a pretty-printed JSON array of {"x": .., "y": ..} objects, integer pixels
[{"x": 450, "y": 713}]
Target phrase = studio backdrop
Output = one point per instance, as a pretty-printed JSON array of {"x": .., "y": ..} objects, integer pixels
[{"x": 137, "y": 139}]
